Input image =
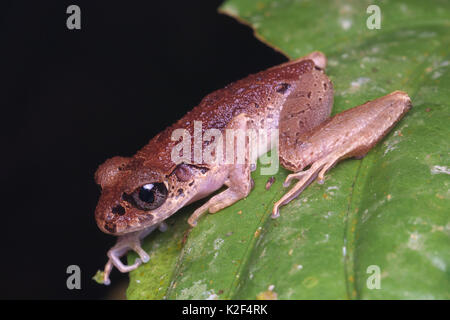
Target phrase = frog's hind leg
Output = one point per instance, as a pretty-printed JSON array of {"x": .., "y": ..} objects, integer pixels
[
  {"x": 351, "y": 133},
  {"x": 317, "y": 170},
  {"x": 307, "y": 107}
]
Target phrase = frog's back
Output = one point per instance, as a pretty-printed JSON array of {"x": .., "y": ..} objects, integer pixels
[{"x": 250, "y": 95}]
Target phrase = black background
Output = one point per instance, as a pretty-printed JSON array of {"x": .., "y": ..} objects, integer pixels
[{"x": 70, "y": 99}]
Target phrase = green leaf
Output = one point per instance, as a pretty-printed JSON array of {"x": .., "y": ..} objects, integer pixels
[{"x": 389, "y": 210}]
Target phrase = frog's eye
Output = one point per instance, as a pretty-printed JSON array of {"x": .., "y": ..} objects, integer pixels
[{"x": 150, "y": 196}]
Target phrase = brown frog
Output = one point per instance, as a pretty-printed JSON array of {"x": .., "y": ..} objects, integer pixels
[{"x": 294, "y": 98}]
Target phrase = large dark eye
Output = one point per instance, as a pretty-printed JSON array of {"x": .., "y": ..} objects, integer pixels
[{"x": 150, "y": 196}]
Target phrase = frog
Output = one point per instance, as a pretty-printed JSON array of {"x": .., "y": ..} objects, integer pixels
[{"x": 295, "y": 98}]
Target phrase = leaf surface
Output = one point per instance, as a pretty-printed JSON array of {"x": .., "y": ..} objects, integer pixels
[{"x": 388, "y": 212}]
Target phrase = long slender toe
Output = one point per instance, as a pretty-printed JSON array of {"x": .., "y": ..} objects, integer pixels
[{"x": 142, "y": 254}]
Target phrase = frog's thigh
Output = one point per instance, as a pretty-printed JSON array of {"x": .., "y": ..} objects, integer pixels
[
  {"x": 308, "y": 105},
  {"x": 354, "y": 133},
  {"x": 239, "y": 181}
]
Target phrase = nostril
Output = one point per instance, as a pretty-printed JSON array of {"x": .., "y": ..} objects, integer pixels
[{"x": 118, "y": 210}]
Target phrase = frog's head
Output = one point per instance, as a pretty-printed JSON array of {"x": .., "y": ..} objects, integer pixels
[{"x": 136, "y": 195}]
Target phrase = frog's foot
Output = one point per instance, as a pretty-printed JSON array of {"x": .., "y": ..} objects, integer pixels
[
  {"x": 305, "y": 178},
  {"x": 298, "y": 175},
  {"x": 114, "y": 255},
  {"x": 125, "y": 243},
  {"x": 317, "y": 170},
  {"x": 239, "y": 185},
  {"x": 217, "y": 203}
]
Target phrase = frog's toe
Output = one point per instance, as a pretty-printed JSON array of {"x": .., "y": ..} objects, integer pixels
[
  {"x": 108, "y": 268},
  {"x": 125, "y": 244},
  {"x": 289, "y": 178},
  {"x": 116, "y": 253},
  {"x": 142, "y": 253},
  {"x": 305, "y": 178}
]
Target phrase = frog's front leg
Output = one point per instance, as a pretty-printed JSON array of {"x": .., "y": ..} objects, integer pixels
[
  {"x": 238, "y": 179},
  {"x": 239, "y": 186},
  {"x": 351, "y": 133},
  {"x": 125, "y": 243}
]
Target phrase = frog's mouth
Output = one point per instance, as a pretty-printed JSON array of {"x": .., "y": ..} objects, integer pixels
[{"x": 120, "y": 218}]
